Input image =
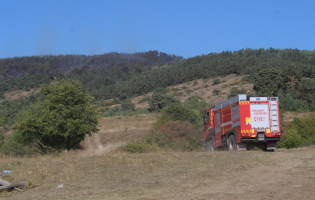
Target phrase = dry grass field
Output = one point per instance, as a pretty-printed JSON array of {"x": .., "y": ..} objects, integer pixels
[{"x": 284, "y": 174}]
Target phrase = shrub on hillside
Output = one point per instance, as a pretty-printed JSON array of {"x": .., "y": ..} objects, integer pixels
[
  {"x": 235, "y": 91},
  {"x": 300, "y": 133},
  {"x": 116, "y": 101},
  {"x": 160, "y": 90},
  {"x": 17, "y": 145},
  {"x": 216, "y": 92},
  {"x": 188, "y": 91},
  {"x": 174, "y": 135},
  {"x": 144, "y": 99},
  {"x": 216, "y": 81},
  {"x": 189, "y": 102},
  {"x": 127, "y": 106},
  {"x": 159, "y": 101},
  {"x": 175, "y": 112},
  {"x": 292, "y": 139},
  {"x": 287, "y": 102}
]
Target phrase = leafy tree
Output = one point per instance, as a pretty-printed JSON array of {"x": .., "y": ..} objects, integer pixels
[
  {"x": 216, "y": 81},
  {"x": 216, "y": 92},
  {"x": 189, "y": 102},
  {"x": 116, "y": 101},
  {"x": 235, "y": 91},
  {"x": 160, "y": 90},
  {"x": 127, "y": 106},
  {"x": 144, "y": 99},
  {"x": 63, "y": 119},
  {"x": 158, "y": 101},
  {"x": 175, "y": 112},
  {"x": 292, "y": 139},
  {"x": 268, "y": 82},
  {"x": 307, "y": 90}
]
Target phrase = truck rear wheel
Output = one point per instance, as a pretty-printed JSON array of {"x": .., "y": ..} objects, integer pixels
[{"x": 232, "y": 143}]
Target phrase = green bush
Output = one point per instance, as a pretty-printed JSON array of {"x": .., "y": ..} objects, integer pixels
[
  {"x": 188, "y": 91},
  {"x": 195, "y": 83},
  {"x": 160, "y": 90},
  {"x": 216, "y": 81},
  {"x": 144, "y": 99},
  {"x": 175, "y": 112},
  {"x": 174, "y": 135},
  {"x": 159, "y": 101},
  {"x": 178, "y": 94},
  {"x": 288, "y": 103},
  {"x": 235, "y": 91},
  {"x": 127, "y": 106},
  {"x": 216, "y": 92},
  {"x": 189, "y": 102},
  {"x": 293, "y": 139},
  {"x": 17, "y": 145},
  {"x": 301, "y": 132},
  {"x": 116, "y": 101},
  {"x": 247, "y": 79}
]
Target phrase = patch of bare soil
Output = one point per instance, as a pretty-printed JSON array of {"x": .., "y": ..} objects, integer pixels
[
  {"x": 283, "y": 174},
  {"x": 10, "y": 96},
  {"x": 117, "y": 131},
  {"x": 288, "y": 116}
]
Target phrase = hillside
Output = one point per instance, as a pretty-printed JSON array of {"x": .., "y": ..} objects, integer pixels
[
  {"x": 203, "y": 88},
  {"x": 125, "y": 75}
]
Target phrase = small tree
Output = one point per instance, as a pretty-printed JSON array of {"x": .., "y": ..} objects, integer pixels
[
  {"x": 235, "y": 91},
  {"x": 216, "y": 92},
  {"x": 127, "y": 106},
  {"x": 158, "y": 101},
  {"x": 216, "y": 81},
  {"x": 63, "y": 119}
]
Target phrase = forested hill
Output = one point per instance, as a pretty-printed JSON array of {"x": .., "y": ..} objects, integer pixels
[
  {"x": 288, "y": 73},
  {"x": 242, "y": 62},
  {"x": 126, "y": 75},
  {"x": 19, "y": 66}
]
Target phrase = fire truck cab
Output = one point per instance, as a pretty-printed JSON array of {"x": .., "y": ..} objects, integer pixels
[{"x": 243, "y": 122}]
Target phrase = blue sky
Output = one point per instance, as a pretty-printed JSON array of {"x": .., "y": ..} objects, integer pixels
[{"x": 181, "y": 27}]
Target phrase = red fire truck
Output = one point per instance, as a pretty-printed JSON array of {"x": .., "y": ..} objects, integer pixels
[{"x": 243, "y": 122}]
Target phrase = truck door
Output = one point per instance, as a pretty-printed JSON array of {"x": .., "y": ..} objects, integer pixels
[
  {"x": 217, "y": 124},
  {"x": 260, "y": 116}
]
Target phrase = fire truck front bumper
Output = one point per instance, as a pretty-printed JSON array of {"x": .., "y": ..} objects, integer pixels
[{"x": 258, "y": 139}]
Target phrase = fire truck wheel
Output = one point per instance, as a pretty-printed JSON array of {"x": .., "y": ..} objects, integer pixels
[
  {"x": 209, "y": 146},
  {"x": 232, "y": 143}
]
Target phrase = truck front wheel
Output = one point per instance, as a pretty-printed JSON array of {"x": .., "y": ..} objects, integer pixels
[
  {"x": 209, "y": 146},
  {"x": 232, "y": 143}
]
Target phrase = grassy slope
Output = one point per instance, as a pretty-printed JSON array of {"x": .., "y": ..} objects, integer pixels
[{"x": 202, "y": 90}]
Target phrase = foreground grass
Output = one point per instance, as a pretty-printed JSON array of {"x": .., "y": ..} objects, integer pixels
[{"x": 119, "y": 175}]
